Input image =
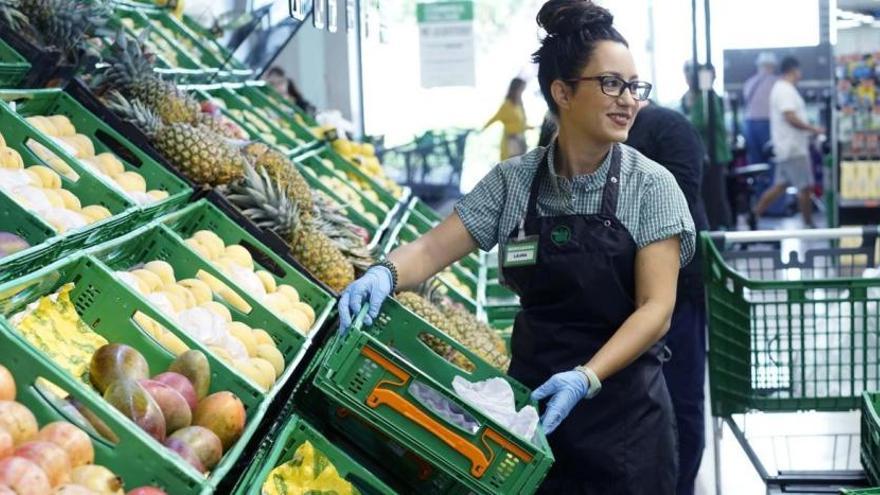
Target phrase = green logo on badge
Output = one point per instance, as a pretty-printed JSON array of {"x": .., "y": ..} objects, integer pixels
[{"x": 560, "y": 235}]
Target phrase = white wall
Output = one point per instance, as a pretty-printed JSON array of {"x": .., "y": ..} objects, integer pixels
[{"x": 861, "y": 39}]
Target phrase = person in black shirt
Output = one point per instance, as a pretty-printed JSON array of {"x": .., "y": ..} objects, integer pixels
[{"x": 668, "y": 138}]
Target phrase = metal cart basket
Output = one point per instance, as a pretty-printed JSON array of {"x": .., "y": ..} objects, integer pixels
[{"x": 793, "y": 326}]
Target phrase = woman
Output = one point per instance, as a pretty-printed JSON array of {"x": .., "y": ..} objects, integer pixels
[
  {"x": 592, "y": 235},
  {"x": 512, "y": 116}
]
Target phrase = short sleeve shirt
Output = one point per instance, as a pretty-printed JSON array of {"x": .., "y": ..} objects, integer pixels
[
  {"x": 788, "y": 141},
  {"x": 650, "y": 204}
]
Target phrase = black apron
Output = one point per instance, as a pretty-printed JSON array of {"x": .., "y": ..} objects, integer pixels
[{"x": 577, "y": 294}]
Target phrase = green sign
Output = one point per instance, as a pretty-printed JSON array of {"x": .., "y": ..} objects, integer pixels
[
  {"x": 560, "y": 235},
  {"x": 445, "y": 11}
]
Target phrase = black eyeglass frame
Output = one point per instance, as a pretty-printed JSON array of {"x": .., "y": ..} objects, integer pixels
[{"x": 633, "y": 86}]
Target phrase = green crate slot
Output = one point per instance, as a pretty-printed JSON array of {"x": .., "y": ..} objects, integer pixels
[
  {"x": 295, "y": 433},
  {"x": 865, "y": 491},
  {"x": 345, "y": 168},
  {"x": 374, "y": 366},
  {"x": 258, "y": 125},
  {"x": 870, "y": 436},
  {"x": 296, "y": 120},
  {"x": 423, "y": 223},
  {"x": 88, "y": 188},
  {"x": 105, "y": 139},
  {"x": 157, "y": 242},
  {"x": 43, "y": 250},
  {"x": 107, "y": 306},
  {"x": 772, "y": 341},
  {"x": 13, "y": 67}
]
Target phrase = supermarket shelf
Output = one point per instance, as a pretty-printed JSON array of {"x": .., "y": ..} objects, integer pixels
[{"x": 859, "y": 203}]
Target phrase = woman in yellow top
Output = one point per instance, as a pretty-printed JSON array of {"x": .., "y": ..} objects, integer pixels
[{"x": 513, "y": 116}]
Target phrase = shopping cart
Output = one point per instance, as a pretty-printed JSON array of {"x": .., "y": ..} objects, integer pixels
[{"x": 793, "y": 327}]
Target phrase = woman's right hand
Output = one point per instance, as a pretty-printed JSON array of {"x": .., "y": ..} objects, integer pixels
[{"x": 374, "y": 286}]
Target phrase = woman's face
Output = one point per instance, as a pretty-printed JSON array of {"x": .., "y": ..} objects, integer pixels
[{"x": 593, "y": 114}]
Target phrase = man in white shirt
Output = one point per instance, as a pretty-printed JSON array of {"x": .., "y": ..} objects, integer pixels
[
  {"x": 790, "y": 134},
  {"x": 756, "y": 95}
]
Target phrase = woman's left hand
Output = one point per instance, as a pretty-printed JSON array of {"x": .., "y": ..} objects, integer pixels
[{"x": 565, "y": 390}]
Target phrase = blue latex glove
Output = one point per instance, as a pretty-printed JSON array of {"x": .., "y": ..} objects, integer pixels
[
  {"x": 375, "y": 286},
  {"x": 565, "y": 390}
]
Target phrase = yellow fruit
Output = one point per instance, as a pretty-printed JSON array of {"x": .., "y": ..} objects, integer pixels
[
  {"x": 60, "y": 166},
  {"x": 173, "y": 343},
  {"x": 248, "y": 370},
  {"x": 62, "y": 124},
  {"x": 82, "y": 144},
  {"x": 71, "y": 202},
  {"x": 53, "y": 198},
  {"x": 273, "y": 355},
  {"x": 262, "y": 337},
  {"x": 245, "y": 335},
  {"x": 9, "y": 158},
  {"x": 108, "y": 164},
  {"x": 163, "y": 270},
  {"x": 268, "y": 281},
  {"x": 151, "y": 326},
  {"x": 43, "y": 125},
  {"x": 48, "y": 177},
  {"x": 307, "y": 310},
  {"x": 198, "y": 247},
  {"x": 289, "y": 292},
  {"x": 157, "y": 195},
  {"x": 277, "y": 302},
  {"x": 266, "y": 369},
  {"x": 299, "y": 320},
  {"x": 131, "y": 182},
  {"x": 222, "y": 290},
  {"x": 240, "y": 255},
  {"x": 182, "y": 293},
  {"x": 2, "y": 141},
  {"x": 96, "y": 213},
  {"x": 200, "y": 290},
  {"x": 150, "y": 279},
  {"x": 218, "y": 309},
  {"x": 212, "y": 242}
]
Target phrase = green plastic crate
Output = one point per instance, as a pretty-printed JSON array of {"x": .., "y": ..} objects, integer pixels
[
  {"x": 44, "y": 248},
  {"x": 345, "y": 170},
  {"x": 369, "y": 370},
  {"x": 13, "y": 67},
  {"x": 264, "y": 95},
  {"x": 183, "y": 69},
  {"x": 245, "y": 115},
  {"x": 295, "y": 433},
  {"x": 422, "y": 218},
  {"x": 108, "y": 306},
  {"x": 158, "y": 242},
  {"x": 195, "y": 46},
  {"x": 28, "y": 103},
  {"x": 211, "y": 42},
  {"x": 864, "y": 491},
  {"x": 789, "y": 335},
  {"x": 90, "y": 191},
  {"x": 870, "y": 436}
]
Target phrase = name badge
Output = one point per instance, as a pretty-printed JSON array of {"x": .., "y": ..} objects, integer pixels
[{"x": 521, "y": 252}]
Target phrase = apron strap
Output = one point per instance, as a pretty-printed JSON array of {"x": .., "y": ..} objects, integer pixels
[
  {"x": 612, "y": 185},
  {"x": 532, "y": 209}
]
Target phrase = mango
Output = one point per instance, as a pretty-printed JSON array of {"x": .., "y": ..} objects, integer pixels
[
  {"x": 133, "y": 400},
  {"x": 173, "y": 405},
  {"x": 114, "y": 361},
  {"x": 203, "y": 442},
  {"x": 193, "y": 364},
  {"x": 224, "y": 414}
]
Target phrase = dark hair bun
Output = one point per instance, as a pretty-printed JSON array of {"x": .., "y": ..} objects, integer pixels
[{"x": 563, "y": 17}]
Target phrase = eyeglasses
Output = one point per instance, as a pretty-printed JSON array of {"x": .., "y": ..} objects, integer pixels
[{"x": 615, "y": 86}]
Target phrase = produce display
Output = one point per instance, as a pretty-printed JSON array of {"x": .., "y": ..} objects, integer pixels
[
  {"x": 11, "y": 243},
  {"x": 364, "y": 155},
  {"x": 190, "y": 304},
  {"x": 308, "y": 471},
  {"x": 57, "y": 458}
]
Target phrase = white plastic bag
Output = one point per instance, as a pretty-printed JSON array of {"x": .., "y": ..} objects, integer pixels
[{"x": 494, "y": 398}]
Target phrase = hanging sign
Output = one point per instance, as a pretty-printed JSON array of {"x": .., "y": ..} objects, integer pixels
[{"x": 446, "y": 43}]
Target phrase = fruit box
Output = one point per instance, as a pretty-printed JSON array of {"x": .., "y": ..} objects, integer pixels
[
  {"x": 18, "y": 135},
  {"x": 181, "y": 68},
  {"x": 870, "y": 436},
  {"x": 295, "y": 432},
  {"x": 194, "y": 46},
  {"x": 13, "y": 67},
  {"x": 212, "y": 43},
  {"x": 158, "y": 242},
  {"x": 105, "y": 139},
  {"x": 244, "y": 115},
  {"x": 371, "y": 370},
  {"x": 203, "y": 215},
  {"x": 44, "y": 248},
  {"x": 262, "y": 95},
  {"x": 108, "y": 306}
]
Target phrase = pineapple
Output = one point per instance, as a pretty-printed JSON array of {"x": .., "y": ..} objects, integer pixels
[
  {"x": 268, "y": 205},
  {"x": 132, "y": 74},
  {"x": 350, "y": 238},
  {"x": 278, "y": 165},
  {"x": 201, "y": 155},
  {"x": 11, "y": 15},
  {"x": 68, "y": 25},
  {"x": 460, "y": 325}
]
